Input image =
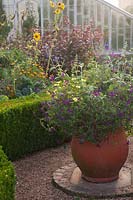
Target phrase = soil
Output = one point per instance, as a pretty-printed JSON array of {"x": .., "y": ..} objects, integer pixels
[{"x": 34, "y": 174}]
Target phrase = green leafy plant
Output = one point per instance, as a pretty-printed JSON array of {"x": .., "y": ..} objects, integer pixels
[
  {"x": 20, "y": 75},
  {"x": 7, "y": 178}
]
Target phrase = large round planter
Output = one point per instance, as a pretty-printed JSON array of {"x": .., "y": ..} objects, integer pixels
[{"x": 101, "y": 163}]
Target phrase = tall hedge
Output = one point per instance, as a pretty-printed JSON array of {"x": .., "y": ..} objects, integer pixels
[
  {"x": 7, "y": 178},
  {"x": 20, "y": 129}
]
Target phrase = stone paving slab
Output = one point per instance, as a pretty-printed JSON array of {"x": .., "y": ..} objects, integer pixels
[{"x": 69, "y": 179}]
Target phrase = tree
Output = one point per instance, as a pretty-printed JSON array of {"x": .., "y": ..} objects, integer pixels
[{"x": 5, "y": 26}]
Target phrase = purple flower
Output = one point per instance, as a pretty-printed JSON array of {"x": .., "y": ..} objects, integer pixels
[
  {"x": 131, "y": 90},
  {"x": 69, "y": 110},
  {"x": 55, "y": 59},
  {"x": 120, "y": 114},
  {"x": 37, "y": 90},
  {"x": 112, "y": 94},
  {"x": 128, "y": 102},
  {"x": 96, "y": 93},
  {"x": 61, "y": 118},
  {"x": 62, "y": 74},
  {"x": 66, "y": 101},
  {"x": 52, "y": 78}
]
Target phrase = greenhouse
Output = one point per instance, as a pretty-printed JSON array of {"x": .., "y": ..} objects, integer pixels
[
  {"x": 66, "y": 99},
  {"x": 116, "y": 23}
]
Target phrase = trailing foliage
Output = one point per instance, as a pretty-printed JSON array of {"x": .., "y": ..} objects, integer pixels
[
  {"x": 7, "y": 178},
  {"x": 92, "y": 105},
  {"x": 20, "y": 129}
]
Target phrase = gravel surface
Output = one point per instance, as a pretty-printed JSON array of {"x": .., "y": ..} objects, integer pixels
[{"x": 34, "y": 174}]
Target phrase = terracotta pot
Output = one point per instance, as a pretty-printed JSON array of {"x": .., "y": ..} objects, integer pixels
[{"x": 101, "y": 163}]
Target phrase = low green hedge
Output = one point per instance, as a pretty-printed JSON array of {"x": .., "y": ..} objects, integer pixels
[
  {"x": 20, "y": 129},
  {"x": 7, "y": 178}
]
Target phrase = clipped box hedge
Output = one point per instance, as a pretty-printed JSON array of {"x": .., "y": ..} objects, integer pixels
[
  {"x": 20, "y": 129},
  {"x": 7, "y": 178}
]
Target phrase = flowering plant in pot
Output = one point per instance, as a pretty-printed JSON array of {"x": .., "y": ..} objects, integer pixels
[
  {"x": 96, "y": 109},
  {"x": 103, "y": 115}
]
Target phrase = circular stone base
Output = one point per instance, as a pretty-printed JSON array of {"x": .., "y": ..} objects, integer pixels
[{"x": 69, "y": 179}]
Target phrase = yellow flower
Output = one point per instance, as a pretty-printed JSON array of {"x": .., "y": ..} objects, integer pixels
[
  {"x": 56, "y": 84},
  {"x": 77, "y": 86},
  {"x": 36, "y": 64},
  {"x": 52, "y": 4},
  {"x": 61, "y": 5},
  {"x": 36, "y": 36},
  {"x": 75, "y": 99},
  {"x": 83, "y": 80},
  {"x": 57, "y": 11}
]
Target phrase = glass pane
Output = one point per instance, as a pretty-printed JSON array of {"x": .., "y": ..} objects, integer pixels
[
  {"x": 79, "y": 19},
  {"x": 120, "y": 41},
  {"x": 71, "y": 17}
]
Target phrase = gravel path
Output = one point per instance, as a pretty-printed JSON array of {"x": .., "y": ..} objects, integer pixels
[{"x": 34, "y": 174}]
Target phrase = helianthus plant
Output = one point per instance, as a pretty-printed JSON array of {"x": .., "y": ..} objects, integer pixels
[
  {"x": 57, "y": 7},
  {"x": 57, "y": 10},
  {"x": 36, "y": 36}
]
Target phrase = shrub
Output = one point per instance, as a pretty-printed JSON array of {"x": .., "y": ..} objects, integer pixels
[
  {"x": 62, "y": 48},
  {"x": 7, "y": 178},
  {"x": 20, "y": 129}
]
